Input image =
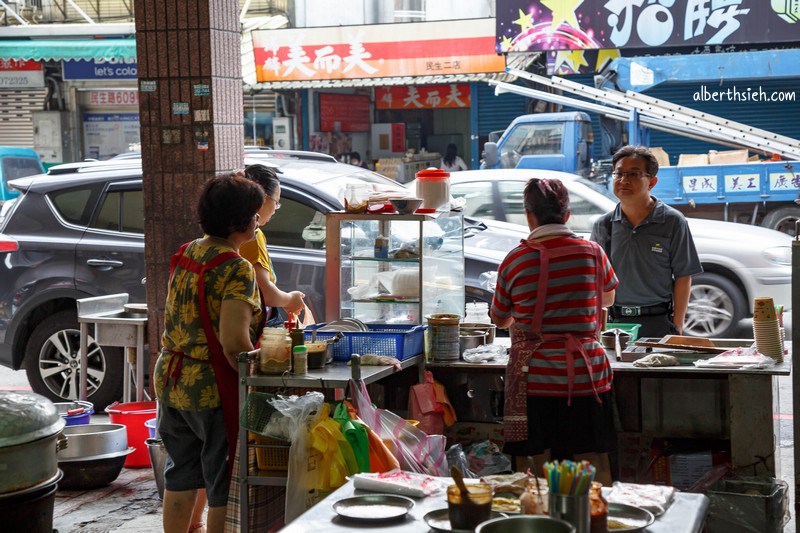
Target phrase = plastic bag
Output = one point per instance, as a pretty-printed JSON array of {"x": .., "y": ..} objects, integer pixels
[
  {"x": 486, "y": 352},
  {"x": 485, "y": 459},
  {"x": 356, "y": 435},
  {"x": 336, "y": 455},
  {"x": 456, "y": 457},
  {"x": 428, "y": 403},
  {"x": 381, "y": 458},
  {"x": 301, "y": 482},
  {"x": 415, "y": 450}
]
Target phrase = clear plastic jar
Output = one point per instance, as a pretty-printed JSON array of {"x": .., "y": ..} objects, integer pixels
[
  {"x": 433, "y": 186},
  {"x": 275, "y": 352},
  {"x": 535, "y": 498}
]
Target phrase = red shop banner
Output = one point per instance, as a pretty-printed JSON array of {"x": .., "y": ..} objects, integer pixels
[
  {"x": 343, "y": 112},
  {"x": 454, "y": 95}
]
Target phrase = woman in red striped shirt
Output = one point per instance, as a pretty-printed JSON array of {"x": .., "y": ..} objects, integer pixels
[{"x": 550, "y": 290}]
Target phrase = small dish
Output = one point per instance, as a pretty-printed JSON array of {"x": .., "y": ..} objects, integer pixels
[
  {"x": 425, "y": 210},
  {"x": 439, "y": 521},
  {"x": 622, "y": 517},
  {"x": 406, "y": 206},
  {"x": 373, "y": 507}
]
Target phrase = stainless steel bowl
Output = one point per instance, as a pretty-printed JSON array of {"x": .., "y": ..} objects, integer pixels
[
  {"x": 525, "y": 524},
  {"x": 471, "y": 340},
  {"x": 476, "y": 327},
  {"x": 91, "y": 440}
]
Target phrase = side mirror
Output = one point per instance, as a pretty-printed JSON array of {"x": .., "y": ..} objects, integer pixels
[{"x": 490, "y": 154}]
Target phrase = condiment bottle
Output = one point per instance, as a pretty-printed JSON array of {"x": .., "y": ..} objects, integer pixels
[
  {"x": 433, "y": 186},
  {"x": 535, "y": 498},
  {"x": 275, "y": 351},
  {"x": 598, "y": 509},
  {"x": 298, "y": 337},
  {"x": 381, "y": 247},
  {"x": 300, "y": 360}
]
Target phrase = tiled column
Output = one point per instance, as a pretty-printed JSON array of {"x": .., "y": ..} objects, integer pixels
[{"x": 190, "y": 107}]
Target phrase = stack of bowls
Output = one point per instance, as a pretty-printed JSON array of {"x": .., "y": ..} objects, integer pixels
[{"x": 767, "y": 329}]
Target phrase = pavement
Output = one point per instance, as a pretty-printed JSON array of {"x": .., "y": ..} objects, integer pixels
[{"x": 130, "y": 504}]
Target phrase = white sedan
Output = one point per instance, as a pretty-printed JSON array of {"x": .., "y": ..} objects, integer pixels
[{"x": 740, "y": 262}]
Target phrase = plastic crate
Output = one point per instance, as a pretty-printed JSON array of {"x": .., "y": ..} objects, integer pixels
[
  {"x": 256, "y": 411},
  {"x": 632, "y": 329},
  {"x": 747, "y": 504},
  {"x": 271, "y": 454},
  {"x": 399, "y": 341}
]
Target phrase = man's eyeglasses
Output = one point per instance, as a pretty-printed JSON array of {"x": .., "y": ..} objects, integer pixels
[
  {"x": 277, "y": 203},
  {"x": 634, "y": 175}
]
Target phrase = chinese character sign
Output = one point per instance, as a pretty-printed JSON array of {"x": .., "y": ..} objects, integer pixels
[
  {"x": 588, "y": 24},
  {"x": 454, "y": 95},
  {"x": 699, "y": 184},
  {"x": 741, "y": 183},
  {"x": 784, "y": 181},
  {"x": 352, "y": 52}
]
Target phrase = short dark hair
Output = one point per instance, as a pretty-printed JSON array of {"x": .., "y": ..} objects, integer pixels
[
  {"x": 227, "y": 204},
  {"x": 265, "y": 176},
  {"x": 547, "y": 199},
  {"x": 355, "y": 155},
  {"x": 642, "y": 152}
]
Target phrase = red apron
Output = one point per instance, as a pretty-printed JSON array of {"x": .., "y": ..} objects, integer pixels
[
  {"x": 226, "y": 377},
  {"x": 525, "y": 343}
]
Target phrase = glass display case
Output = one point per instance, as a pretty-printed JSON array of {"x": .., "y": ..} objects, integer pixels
[{"x": 394, "y": 269}]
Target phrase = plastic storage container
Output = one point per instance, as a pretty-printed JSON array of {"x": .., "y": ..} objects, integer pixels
[
  {"x": 632, "y": 329},
  {"x": 151, "y": 427},
  {"x": 133, "y": 416},
  {"x": 75, "y": 413},
  {"x": 399, "y": 341},
  {"x": 275, "y": 352},
  {"x": 433, "y": 186},
  {"x": 747, "y": 504}
]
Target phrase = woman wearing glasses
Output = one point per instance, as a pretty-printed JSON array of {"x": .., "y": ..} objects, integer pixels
[
  {"x": 550, "y": 291},
  {"x": 255, "y": 251}
]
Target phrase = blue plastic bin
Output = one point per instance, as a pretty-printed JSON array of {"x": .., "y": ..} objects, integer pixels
[{"x": 398, "y": 341}]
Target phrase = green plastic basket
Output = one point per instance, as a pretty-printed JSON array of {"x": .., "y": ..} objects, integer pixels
[
  {"x": 632, "y": 329},
  {"x": 256, "y": 412}
]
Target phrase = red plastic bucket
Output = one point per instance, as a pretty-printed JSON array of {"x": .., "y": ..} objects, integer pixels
[{"x": 133, "y": 415}]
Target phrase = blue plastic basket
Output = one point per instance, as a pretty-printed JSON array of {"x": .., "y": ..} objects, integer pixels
[{"x": 399, "y": 341}]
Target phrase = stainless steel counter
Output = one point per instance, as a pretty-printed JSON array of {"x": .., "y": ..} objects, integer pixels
[{"x": 686, "y": 514}]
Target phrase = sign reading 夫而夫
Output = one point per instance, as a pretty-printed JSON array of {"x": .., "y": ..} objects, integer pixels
[
  {"x": 377, "y": 51},
  {"x": 455, "y": 95},
  {"x": 523, "y": 25}
]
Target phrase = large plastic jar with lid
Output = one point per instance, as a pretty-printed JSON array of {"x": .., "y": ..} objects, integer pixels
[
  {"x": 275, "y": 351},
  {"x": 433, "y": 186}
]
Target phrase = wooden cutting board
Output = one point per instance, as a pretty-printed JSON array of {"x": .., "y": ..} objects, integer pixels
[{"x": 679, "y": 342}]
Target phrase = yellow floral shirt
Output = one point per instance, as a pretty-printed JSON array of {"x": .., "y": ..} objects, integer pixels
[{"x": 183, "y": 331}]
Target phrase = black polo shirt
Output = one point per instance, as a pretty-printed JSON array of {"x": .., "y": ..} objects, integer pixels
[{"x": 649, "y": 257}]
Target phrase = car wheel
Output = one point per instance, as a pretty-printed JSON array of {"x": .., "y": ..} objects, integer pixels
[
  {"x": 52, "y": 363},
  {"x": 782, "y": 219},
  {"x": 716, "y": 306}
]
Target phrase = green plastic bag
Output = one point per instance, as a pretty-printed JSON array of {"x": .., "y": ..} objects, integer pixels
[{"x": 355, "y": 434}]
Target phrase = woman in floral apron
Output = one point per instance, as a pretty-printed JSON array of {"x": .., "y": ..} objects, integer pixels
[
  {"x": 212, "y": 314},
  {"x": 550, "y": 290}
]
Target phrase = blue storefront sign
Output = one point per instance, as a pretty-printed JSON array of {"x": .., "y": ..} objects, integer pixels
[{"x": 92, "y": 69}]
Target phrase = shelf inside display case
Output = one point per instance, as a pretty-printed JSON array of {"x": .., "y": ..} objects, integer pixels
[{"x": 426, "y": 277}]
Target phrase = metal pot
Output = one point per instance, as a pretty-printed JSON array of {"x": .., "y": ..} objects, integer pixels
[
  {"x": 29, "y": 440},
  {"x": 477, "y": 327},
  {"x": 525, "y": 524},
  {"x": 94, "y": 439},
  {"x": 471, "y": 340}
]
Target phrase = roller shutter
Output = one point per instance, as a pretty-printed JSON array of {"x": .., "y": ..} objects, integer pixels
[
  {"x": 16, "y": 125},
  {"x": 496, "y": 112}
]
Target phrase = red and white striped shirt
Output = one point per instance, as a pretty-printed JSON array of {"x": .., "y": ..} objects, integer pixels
[{"x": 570, "y": 308}]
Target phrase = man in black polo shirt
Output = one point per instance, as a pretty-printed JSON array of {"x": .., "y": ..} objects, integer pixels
[{"x": 650, "y": 247}]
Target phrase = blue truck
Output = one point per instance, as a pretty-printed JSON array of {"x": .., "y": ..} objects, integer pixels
[
  {"x": 16, "y": 163},
  {"x": 765, "y": 193}
]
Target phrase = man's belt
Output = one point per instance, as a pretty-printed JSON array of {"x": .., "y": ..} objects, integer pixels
[{"x": 622, "y": 311}]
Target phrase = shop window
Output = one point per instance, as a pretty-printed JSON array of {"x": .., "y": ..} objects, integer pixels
[{"x": 478, "y": 196}]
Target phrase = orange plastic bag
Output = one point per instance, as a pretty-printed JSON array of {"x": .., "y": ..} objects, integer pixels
[{"x": 381, "y": 458}]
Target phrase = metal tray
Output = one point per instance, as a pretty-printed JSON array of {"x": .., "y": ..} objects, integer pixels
[
  {"x": 439, "y": 521},
  {"x": 629, "y": 517},
  {"x": 373, "y": 507}
]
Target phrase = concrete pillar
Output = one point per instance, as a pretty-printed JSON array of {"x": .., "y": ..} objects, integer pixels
[{"x": 190, "y": 108}]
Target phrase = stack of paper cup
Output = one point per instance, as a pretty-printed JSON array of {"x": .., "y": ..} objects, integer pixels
[{"x": 766, "y": 329}]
